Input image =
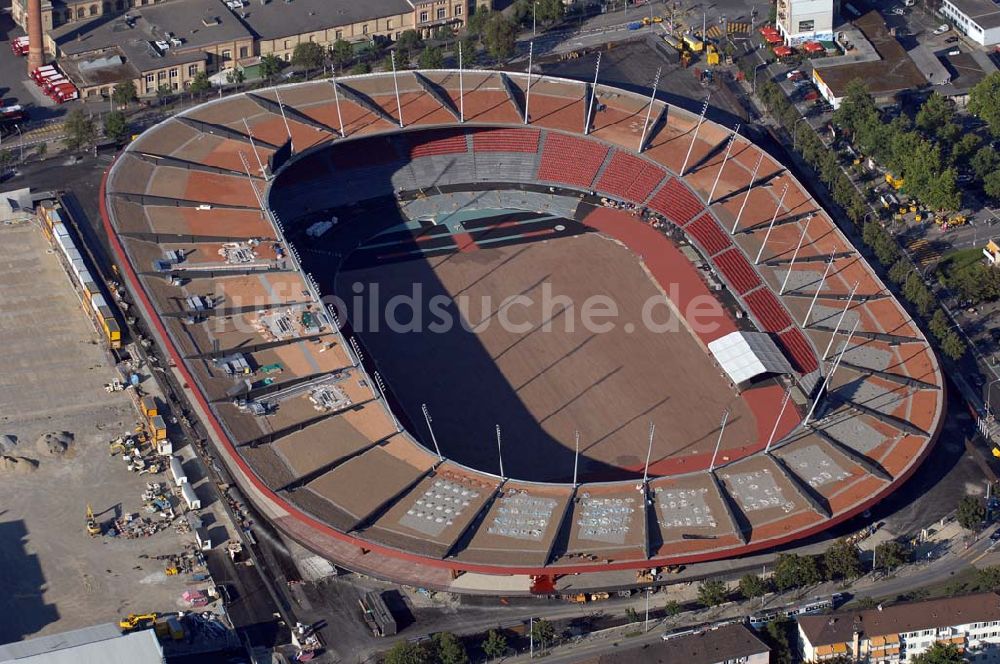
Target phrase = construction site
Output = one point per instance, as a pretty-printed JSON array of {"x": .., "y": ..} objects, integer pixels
[{"x": 102, "y": 522}]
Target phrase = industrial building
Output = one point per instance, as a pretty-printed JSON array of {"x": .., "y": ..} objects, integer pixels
[
  {"x": 802, "y": 20},
  {"x": 900, "y": 632},
  {"x": 979, "y": 20},
  {"x": 164, "y": 45},
  {"x": 100, "y": 644},
  {"x": 728, "y": 644}
]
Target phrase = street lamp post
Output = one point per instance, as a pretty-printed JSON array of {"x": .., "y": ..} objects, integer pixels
[
  {"x": 795, "y": 134},
  {"x": 755, "y": 70},
  {"x": 989, "y": 394},
  {"x": 20, "y": 142}
]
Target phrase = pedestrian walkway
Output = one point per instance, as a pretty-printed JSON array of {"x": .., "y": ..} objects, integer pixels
[
  {"x": 924, "y": 251},
  {"x": 732, "y": 28}
]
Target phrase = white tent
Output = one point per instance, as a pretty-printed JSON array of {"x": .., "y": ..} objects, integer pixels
[{"x": 746, "y": 355}]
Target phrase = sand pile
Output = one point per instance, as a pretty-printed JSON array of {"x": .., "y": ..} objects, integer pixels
[{"x": 54, "y": 444}]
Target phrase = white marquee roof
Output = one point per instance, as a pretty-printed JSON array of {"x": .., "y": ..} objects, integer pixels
[{"x": 746, "y": 355}]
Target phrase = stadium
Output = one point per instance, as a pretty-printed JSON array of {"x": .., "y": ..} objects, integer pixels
[{"x": 445, "y": 327}]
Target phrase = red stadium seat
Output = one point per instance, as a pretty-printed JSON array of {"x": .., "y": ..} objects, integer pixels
[
  {"x": 765, "y": 306},
  {"x": 571, "y": 160},
  {"x": 430, "y": 143},
  {"x": 505, "y": 140},
  {"x": 737, "y": 269},
  {"x": 676, "y": 202},
  {"x": 708, "y": 234},
  {"x": 798, "y": 349},
  {"x": 630, "y": 178}
]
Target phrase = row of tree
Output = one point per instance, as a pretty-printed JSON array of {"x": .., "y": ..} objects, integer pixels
[
  {"x": 827, "y": 165},
  {"x": 446, "y": 648}
]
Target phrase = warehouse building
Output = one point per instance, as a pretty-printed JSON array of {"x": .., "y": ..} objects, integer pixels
[
  {"x": 100, "y": 644},
  {"x": 725, "y": 644},
  {"x": 900, "y": 632},
  {"x": 979, "y": 20}
]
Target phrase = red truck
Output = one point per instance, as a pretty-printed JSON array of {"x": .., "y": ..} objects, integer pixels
[
  {"x": 19, "y": 45},
  {"x": 64, "y": 92},
  {"x": 48, "y": 71}
]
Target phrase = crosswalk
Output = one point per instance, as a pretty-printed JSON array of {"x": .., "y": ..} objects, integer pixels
[
  {"x": 732, "y": 28},
  {"x": 923, "y": 251}
]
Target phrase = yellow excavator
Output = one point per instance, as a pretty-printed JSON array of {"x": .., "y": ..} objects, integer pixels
[
  {"x": 92, "y": 528},
  {"x": 136, "y": 621}
]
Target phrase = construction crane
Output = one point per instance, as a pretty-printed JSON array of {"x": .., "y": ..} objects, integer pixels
[{"x": 92, "y": 528}]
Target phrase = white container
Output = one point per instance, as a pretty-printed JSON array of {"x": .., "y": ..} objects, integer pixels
[
  {"x": 190, "y": 497},
  {"x": 177, "y": 471}
]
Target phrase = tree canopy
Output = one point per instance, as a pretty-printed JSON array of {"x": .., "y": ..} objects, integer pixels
[
  {"x": 794, "y": 571},
  {"x": 116, "y": 126},
  {"x": 984, "y": 101},
  {"x": 408, "y": 653},
  {"x": 270, "y": 66},
  {"x": 712, "y": 592},
  {"x": 940, "y": 653},
  {"x": 499, "y": 36},
  {"x": 308, "y": 55},
  {"x": 971, "y": 512},
  {"x": 80, "y": 130},
  {"x": 752, "y": 586},
  {"x": 200, "y": 83},
  {"x": 841, "y": 561},
  {"x": 494, "y": 645},
  {"x": 124, "y": 94},
  {"x": 448, "y": 649}
]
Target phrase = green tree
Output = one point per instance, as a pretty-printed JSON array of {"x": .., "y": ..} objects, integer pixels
[
  {"x": 841, "y": 561},
  {"x": 549, "y": 11},
  {"x": 631, "y": 615},
  {"x": 499, "y": 36},
  {"x": 476, "y": 25},
  {"x": 494, "y": 645},
  {"x": 939, "y": 324},
  {"x": 308, "y": 55},
  {"x": 971, "y": 512},
  {"x": 857, "y": 110},
  {"x": 235, "y": 76},
  {"x": 752, "y": 586},
  {"x": 200, "y": 83},
  {"x": 934, "y": 114},
  {"x": 270, "y": 66},
  {"x": 409, "y": 40},
  {"x": 80, "y": 130},
  {"x": 776, "y": 635},
  {"x": 991, "y": 184},
  {"x": 953, "y": 346},
  {"x": 432, "y": 57},
  {"x": 965, "y": 148},
  {"x": 361, "y": 68},
  {"x": 900, "y": 270},
  {"x": 940, "y": 653},
  {"x": 448, "y": 649},
  {"x": 989, "y": 578},
  {"x": 408, "y": 653},
  {"x": 672, "y": 608},
  {"x": 124, "y": 94},
  {"x": 116, "y": 126},
  {"x": 162, "y": 93},
  {"x": 984, "y": 101},
  {"x": 543, "y": 632},
  {"x": 41, "y": 150},
  {"x": 712, "y": 592},
  {"x": 985, "y": 161},
  {"x": 794, "y": 571},
  {"x": 890, "y": 554},
  {"x": 444, "y": 34},
  {"x": 341, "y": 53}
]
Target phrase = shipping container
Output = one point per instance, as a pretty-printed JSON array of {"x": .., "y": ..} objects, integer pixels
[
  {"x": 158, "y": 427},
  {"x": 112, "y": 332},
  {"x": 177, "y": 471},
  {"x": 85, "y": 278},
  {"x": 89, "y": 287},
  {"x": 59, "y": 229},
  {"x": 190, "y": 497},
  {"x": 78, "y": 268},
  {"x": 97, "y": 301},
  {"x": 149, "y": 407}
]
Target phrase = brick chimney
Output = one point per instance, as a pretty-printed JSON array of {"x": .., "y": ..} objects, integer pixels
[{"x": 36, "y": 50}]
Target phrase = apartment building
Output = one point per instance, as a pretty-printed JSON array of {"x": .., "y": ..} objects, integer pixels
[
  {"x": 898, "y": 633},
  {"x": 979, "y": 20},
  {"x": 804, "y": 20}
]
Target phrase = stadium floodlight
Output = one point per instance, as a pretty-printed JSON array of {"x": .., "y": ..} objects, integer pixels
[
  {"x": 753, "y": 178},
  {"x": 795, "y": 254},
  {"x": 284, "y": 119},
  {"x": 461, "y": 86},
  {"x": 395, "y": 84},
  {"x": 527, "y": 94},
  {"x": 829, "y": 376},
  {"x": 649, "y": 110},
  {"x": 718, "y": 443},
  {"x": 819, "y": 287},
  {"x": 781, "y": 413},
  {"x": 649, "y": 453},
  {"x": 593, "y": 96},
  {"x": 718, "y": 176},
  {"x": 427, "y": 418},
  {"x": 840, "y": 320},
  {"x": 500, "y": 452},
  {"x": 253, "y": 146},
  {"x": 253, "y": 185},
  {"x": 336, "y": 100},
  {"x": 576, "y": 457},
  {"x": 694, "y": 139},
  {"x": 767, "y": 235}
]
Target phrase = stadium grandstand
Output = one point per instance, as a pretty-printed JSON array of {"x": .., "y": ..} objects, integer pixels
[{"x": 423, "y": 457}]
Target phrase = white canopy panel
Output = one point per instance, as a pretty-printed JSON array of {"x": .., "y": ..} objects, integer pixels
[{"x": 746, "y": 355}]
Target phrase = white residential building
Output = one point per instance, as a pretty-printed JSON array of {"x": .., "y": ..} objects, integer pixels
[
  {"x": 979, "y": 20},
  {"x": 899, "y": 633},
  {"x": 805, "y": 20}
]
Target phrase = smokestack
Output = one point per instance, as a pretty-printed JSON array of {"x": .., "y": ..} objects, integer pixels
[{"x": 36, "y": 52}]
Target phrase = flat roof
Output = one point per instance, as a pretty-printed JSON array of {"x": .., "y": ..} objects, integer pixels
[
  {"x": 199, "y": 23},
  {"x": 722, "y": 644},
  {"x": 99, "y": 644},
  {"x": 282, "y": 19},
  {"x": 985, "y": 13},
  {"x": 895, "y": 72}
]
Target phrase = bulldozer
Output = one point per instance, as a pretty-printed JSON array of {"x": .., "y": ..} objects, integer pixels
[
  {"x": 92, "y": 528},
  {"x": 136, "y": 621}
]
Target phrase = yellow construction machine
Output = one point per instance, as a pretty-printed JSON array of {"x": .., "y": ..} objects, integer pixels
[
  {"x": 92, "y": 528},
  {"x": 136, "y": 621}
]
